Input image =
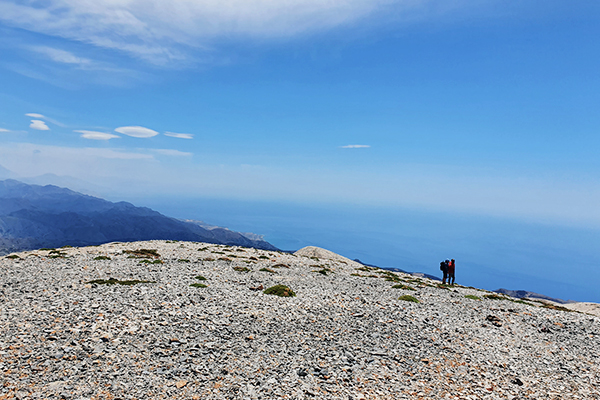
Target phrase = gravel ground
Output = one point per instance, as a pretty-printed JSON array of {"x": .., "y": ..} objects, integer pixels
[{"x": 346, "y": 335}]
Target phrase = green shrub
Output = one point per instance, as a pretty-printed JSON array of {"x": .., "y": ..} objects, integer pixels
[
  {"x": 281, "y": 266},
  {"x": 408, "y": 297},
  {"x": 263, "y": 257},
  {"x": 494, "y": 297},
  {"x": 267, "y": 270},
  {"x": 200, "y": 278},
  {"x": 14, "y": 257},
  {"x": 102, "y": 258},
  {"x": 324, "y": 271},
  {"x": 472, "y": 297},
  {"x": 241, "y": 269},
  {"x": 185, "y": 260},
  {"x": 150, "y": 262},
  {"x": 401, "y": 286},
  {"x": 280, "y": 290},
  {"x": 198, "y": 285}
]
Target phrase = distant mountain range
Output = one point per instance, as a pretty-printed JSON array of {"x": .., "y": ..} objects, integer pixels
[
  {"x": 33, "y": 216},
  {"x": 520, "y": 294}
]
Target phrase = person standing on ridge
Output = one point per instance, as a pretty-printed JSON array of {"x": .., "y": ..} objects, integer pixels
[
  {"x": 444, "y": 269},
  {"x": 451, "y": 269}
]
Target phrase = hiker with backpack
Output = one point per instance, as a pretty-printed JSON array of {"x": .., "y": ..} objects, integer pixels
[
  {"x": 451, "y": 269},
  {"x": 444, "y": 269}
]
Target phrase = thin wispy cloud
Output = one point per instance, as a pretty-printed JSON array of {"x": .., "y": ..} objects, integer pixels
[
  {"x": 355, "y": 146},
  {"x": 95, "y": 135},
  {"x": 40, "y": 117},
  {"x": 62, "y": 56},
  {"x": 39, "y": 125},
  {"x": 136, "y": 131},
  {"x": 166, "y": 32},
  {"x": 4, "y": 130},
  {"x": 180, "y": 135},
  {"x": 173, "y": 153}
]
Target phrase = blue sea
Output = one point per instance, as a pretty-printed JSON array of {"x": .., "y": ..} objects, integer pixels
[{"x": 490, "y": 253}]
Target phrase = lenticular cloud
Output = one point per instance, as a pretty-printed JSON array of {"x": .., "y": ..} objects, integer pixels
[
  {"x": 39, "y": 125},
  {"x": 136, "y": 131}
]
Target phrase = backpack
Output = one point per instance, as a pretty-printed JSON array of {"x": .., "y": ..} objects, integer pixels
[{"x": 442, "y": 265}]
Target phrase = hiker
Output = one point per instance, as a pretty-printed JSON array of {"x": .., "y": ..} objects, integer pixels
[
  {"x": 444, "y": 269},
  {"x": 451, "y": 268}
]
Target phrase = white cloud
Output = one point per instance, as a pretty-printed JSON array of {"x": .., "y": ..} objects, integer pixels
[
  {"x": 4, "y": 130},
  {"x": 355, "y": 146},
  {"x": 35, "y": 115},
  {"x": 163, "y": 32},
  {"x": 180, "y": 135},
  {"x": 174, "y": 153},
  {"x": 39, "y": 125},
  {"x": 94, "y": 135},
  {"x": 136, "y": 131}
]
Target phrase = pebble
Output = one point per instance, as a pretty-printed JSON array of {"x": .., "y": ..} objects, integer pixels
[{"x": 346, "y": 334}]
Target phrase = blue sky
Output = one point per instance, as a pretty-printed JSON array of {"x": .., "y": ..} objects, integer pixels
[{"x": 485, "y": 107}]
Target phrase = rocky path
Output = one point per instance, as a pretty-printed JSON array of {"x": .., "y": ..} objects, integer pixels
[{"x": 347, "y": 334}]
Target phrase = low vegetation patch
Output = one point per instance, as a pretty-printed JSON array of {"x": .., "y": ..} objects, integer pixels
[
  {"x": 281, "y": 266},
  {"x": 401, "y": 286},
  {"x": 556, "y": 307},
  {"x": 253, "y": 258},
  {"x": 203, "y": 249},
  {"x": 14, "y": 257},
  {"x": 367, "y": 269},
  {"x": 269, "y": 270},
  {"x": 47, "y": 249},
  {"x": 56, "y": 254},
  {"x": 208, "y": 259},
  {"x": 280, "y": 290},
  {"x": 101, "y": 258},
  {"x": 151, "y": 262},
  {"x": 263, "y": 257},
  {"x": 494, "y": 297},
  {"x": 185, "y": 260},
  {"x": 200, "y": 278},
  {"x": 224, "y": 259},
  {"x": 198, "y": 285},
  {"x": 408, "y": 297},
  {"x": 143, "y": 253},
  {"x": 113, "y": 281},
  {"x": 241, "y": 269},
  {"x": 324, "y": 271},
  {"x": 472, "y": 297},
  {"x": 391, "y": 277}
]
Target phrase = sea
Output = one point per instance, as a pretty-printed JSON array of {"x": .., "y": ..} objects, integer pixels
[{"x": 490, "y": 252}]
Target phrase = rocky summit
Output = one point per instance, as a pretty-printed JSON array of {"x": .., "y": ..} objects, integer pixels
[{"x": 165, "y": 320}]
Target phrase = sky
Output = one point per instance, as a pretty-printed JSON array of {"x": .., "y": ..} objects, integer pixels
[{"x": 479, "y": 107}]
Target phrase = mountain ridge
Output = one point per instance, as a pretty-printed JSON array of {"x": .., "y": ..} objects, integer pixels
[{"x": 34, "y": 216}]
